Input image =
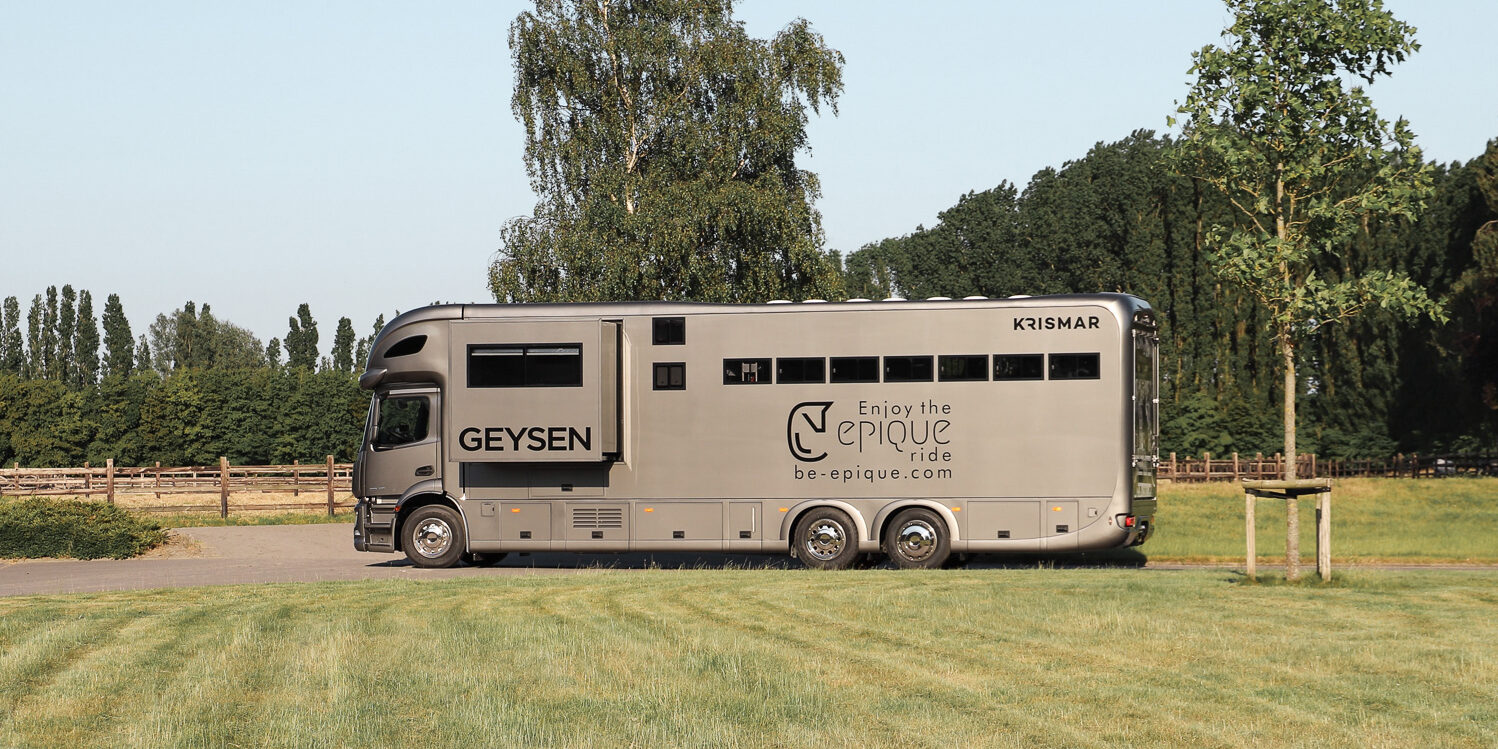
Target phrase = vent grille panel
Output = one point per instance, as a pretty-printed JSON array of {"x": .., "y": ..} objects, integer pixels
[{"x": 597, "y": 517}]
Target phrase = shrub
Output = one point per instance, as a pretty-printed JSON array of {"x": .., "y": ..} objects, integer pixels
[{"x": 36, "y": 527}]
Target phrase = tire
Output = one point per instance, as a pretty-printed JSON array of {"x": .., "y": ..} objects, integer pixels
[
  {"x": 433, "y": 537},
  {"x": 917, "y": 539},
  {"x": 826, "y": 539}
]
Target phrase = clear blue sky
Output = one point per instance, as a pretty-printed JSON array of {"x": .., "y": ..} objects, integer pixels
[{"x": 258, "y": 155}]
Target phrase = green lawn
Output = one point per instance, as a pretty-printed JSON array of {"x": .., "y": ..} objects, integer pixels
[
  {"x": 753, "y": 658},
  {"x": 1392, "y": 520}
]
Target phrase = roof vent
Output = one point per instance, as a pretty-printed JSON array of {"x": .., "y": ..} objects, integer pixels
[
  {"x": 1019, "y": 296},
  {"x": 938, "y": 299},
  {"x": 860, "y": 299},
  {"x": 973, "y": 298},
  {"x": 813, "y": 301},
  {"x": 778, "y": 301},
  {"x": 894, "y": 299}
]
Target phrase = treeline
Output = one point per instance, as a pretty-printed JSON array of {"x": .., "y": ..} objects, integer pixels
[
  {"x": 188, "y": 390},
  {"x": 1120, "y": 219}
]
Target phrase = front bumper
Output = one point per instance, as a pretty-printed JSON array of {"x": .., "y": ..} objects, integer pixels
[{"x": 373, "y": 530}]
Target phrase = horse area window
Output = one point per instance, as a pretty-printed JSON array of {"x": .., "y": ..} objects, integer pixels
[{"x": 525, "y": 365}]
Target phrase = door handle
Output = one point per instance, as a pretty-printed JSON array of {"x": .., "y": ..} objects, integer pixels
[{"x": 424, "y": 471}]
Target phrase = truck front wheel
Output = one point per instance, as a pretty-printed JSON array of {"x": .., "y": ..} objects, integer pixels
[{"x": 433, "y": 537}]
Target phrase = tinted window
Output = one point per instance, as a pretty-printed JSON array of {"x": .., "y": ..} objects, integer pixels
[
  {"x": 746, "y": 371},
  {"x": 670, "y": 376},
  {"x": 406, "y": 346},
  {"x": 402, "y": 421},
  {"x": 801, "y": 370},
  {"x": 957, "y": 368},
  {"x": 1074, "y": 366},
  {"x": 907, "y": 369},
  {"x": 668, "y": 331},
  {"x": 527, "y": 365},
  {"x": 1018, "y": 366},
  {"x": 855, "y": 369}
]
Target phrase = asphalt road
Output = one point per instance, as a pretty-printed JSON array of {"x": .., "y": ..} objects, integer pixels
[{"x": 311, "y": 553}]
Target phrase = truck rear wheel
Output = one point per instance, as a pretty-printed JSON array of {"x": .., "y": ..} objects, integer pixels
[
  {"x": 917, "y": 539},
  {"x": 433, "y": 537},
  {"x": 826, "y": 539}
]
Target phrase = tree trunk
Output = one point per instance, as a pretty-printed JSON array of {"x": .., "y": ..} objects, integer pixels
[{"x": 1287, "y": 351}]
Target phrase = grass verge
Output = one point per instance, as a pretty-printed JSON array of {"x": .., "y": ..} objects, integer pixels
[
  {"x": 758, "y": 658},
  {"x": 1416, "y": 521}
]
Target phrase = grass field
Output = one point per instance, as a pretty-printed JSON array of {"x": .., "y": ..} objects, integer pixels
[
  {"x": 753, "y": 658},
  {"x": 1373, "y": 520}
]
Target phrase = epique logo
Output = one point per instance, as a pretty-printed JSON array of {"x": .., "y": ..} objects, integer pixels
[{"x": 806, "y": 419}]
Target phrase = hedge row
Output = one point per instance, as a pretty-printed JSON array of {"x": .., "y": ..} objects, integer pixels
[{"x": 37, "y": 527}]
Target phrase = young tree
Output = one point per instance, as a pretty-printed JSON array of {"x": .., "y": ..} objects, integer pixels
[
  {"x": 1304, "y": 158},
  {"x": 343, "y": 346},
  {"x": 273, "y": 353},
  {"x": 662, "y": 141},
  {"x": 119, "y": 357},
  {"x": 86, "y": 342},
  {"x": 35, "y": 317}
]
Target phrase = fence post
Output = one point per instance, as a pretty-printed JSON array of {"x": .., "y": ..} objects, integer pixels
[
  {"x": 223, "y": 486},
  {"x": 1324, "y": 536},
  {"x": 88, "y": 479},
  {"x": 330, "y": 486},
  {"x": 295, "y": 477},
  {"x": 109, "y": 480},
  {"x": 1252, "y": 564},
  {"x": 1235, "y": 466},
  {"x": 1174, "y": 474},
  {"x": 1206, "y": 466},
  {"x": 158, "y": 479},
  {"x": 1312, "y": 474}
]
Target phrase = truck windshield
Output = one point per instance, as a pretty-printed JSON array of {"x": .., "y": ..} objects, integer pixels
[{"x": 1146, "y": 393}]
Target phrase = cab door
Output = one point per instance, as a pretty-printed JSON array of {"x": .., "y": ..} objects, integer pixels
[{"x": 402, "y": 450}]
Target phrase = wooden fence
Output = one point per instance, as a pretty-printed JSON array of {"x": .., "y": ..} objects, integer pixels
[
  {"x": 326, "y": 480},
  {"x": 1268, "y": 468}
]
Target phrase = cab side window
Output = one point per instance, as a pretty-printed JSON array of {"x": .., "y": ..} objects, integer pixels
[{"x": 402, "y": 421}]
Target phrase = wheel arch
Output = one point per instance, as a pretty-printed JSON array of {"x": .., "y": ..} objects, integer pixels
[
  {"x": 418, "y": 498},
  {"x": 887, "y": 514},
  {"x": 798, "y": 510}
]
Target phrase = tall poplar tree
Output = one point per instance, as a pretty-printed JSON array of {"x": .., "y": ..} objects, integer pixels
[
  {"x": 301, "y": 339},
  {"x": 67, "y": 328},
  {"x": 343, "y": 346},
  {"x": 86, "y": 342},
  {"x": 49, "y": 358},
  {"x": 12, "y": 345},
  {"x": 662, "y": 142},
  {"x": 119, "y": 357},
  {"x": 1272, "y": 124},
  {"x": 35, "y": 357}
]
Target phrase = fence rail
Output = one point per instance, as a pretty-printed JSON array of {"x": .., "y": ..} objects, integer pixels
[
  {"x": 327, "y": 478},
  {"x": 1268, "y": 468}
]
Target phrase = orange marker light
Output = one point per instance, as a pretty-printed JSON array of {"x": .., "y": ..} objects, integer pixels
[
  {"x": 1055, "y": 509},
  {"x": 956, "y": 509},
  {"x": 650, "y": 509},
  {"x": 514, "y": 509},
  {"x": 785, "y": 509}
]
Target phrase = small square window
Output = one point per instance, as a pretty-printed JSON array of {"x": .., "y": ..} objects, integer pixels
[
  {"x": 746, "y": 371},
  {"x": 1019, "y": 366},
  {"x": 800, "y": 369},
  {"x": 958, "y": 368},
  {"x": 669, "y": 331},
  {"x": 855, "y": 369},
  {"x": 907, "y": 369},
  {"x": 670, "y": 376}
]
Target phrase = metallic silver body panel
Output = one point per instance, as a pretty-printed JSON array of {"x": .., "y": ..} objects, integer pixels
[{"x": 715, "y": 466}]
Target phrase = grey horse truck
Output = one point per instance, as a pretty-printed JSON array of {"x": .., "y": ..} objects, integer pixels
[{"x": 836, "y": 430}]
